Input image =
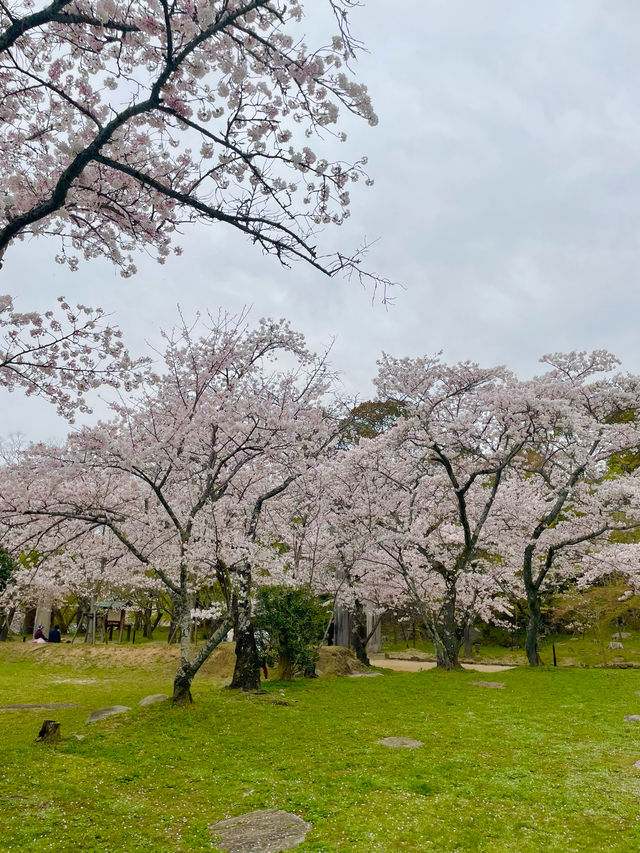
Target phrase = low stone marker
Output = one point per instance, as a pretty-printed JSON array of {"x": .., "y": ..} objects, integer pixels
[
  {"x": 400, "y": 742},
  {"x": 613, "y": 646},
  {"x": 264, "y": 831},
  {"x": 153, "y": 699},
  {"x": 103, "y": 713},
  {"x": 43, "y": 706},
  {"x": 632, "y": 718},
  {"x": 364, "y": 674},
  {"x": 496, "y": 685}
]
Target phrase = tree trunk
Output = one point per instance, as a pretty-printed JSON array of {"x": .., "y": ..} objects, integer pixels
[
  {"x": 182, "y": 686},
  {"x": 285, "y": 669},
  {"x": 49, "y": 732},
  {"x": 448, "y": 644},
  {"x": 189, "y": 666},
  {"x": 246, "y": 674},
  {"x": 359, "y": 634},
  {"x": 533, "y": 628},
  {"x": 5, "y": 624}
]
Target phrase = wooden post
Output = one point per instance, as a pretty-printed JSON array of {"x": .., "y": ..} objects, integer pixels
[
  {"x": 122, "y": 612},
  {"x": 553, "y": 647}
]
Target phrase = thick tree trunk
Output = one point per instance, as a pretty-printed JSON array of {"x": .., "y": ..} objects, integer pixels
[
  {"x": 182, "y": 686},
  {"x": 49, "y": 732},
  {"x": 447, "y": 642},
  {"x": 359, "y": 634},
  {"x": 533, "y": 629},
  {"x": 285, "y": 669},
  {"x": 5, "y": 624},
  {"x": 246, "y": 675}
]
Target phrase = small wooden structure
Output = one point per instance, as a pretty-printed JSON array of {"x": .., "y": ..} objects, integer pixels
[{"x": 115, "y": 617}]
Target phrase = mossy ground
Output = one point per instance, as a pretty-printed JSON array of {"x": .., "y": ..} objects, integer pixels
[{"x": 544, "y": 765}]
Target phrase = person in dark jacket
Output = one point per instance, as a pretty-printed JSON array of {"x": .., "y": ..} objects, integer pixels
[
  {"x": 54, "y": 635},
  {"x": 39, "y": 634}
]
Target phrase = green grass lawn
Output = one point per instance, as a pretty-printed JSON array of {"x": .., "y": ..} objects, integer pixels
[
  {"x": 571, "y": 650},
  {"x": 544, "y": 765}
]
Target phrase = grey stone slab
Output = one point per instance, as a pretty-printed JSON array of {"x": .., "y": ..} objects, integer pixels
[
  {"x": 153, "y": 699},
  {"x": 103, "y": 713},
  {"x": 264, "y": 831},
  {"x": 364, "y": 675},
  {"x": 400, "y": 742},
  {"x": 632, "y": 718},
  {"x": 495, "y": 685}
]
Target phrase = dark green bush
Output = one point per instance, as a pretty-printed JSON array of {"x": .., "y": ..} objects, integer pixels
[{"x": 290, "y": 624}]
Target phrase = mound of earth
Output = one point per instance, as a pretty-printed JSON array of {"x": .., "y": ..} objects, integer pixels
[
  {"x": 333, "y": 660},
  {"x": 336, "y": 660}
]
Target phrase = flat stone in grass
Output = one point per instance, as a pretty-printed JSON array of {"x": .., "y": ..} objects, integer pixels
[
  {"x": 102, "y": 713},
  {"x": 43, "y": 706},
  {"x": 364, "y": 675},
  {"x": 400, "y": 742},
  {"x": 495, "y": 685},
  {"x": 632, "y": 718},
  {"x": 264, "y": 831},
  {"x": 153, "y": 699},
  {"x": 636, "y": 766}
]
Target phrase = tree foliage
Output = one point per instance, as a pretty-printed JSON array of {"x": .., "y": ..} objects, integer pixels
[
  {"x": 119, "y": 123},
  {"x": 295, "y": 621}
]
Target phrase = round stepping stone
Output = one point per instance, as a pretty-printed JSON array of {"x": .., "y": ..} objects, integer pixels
[
  {"x": 632, "y": 718},
  {"x": 102, "y": 713},
  {"x": 364, "y": 674},
  {"x": 496, "y": 685},
  {"x": 400, "y": 742},
  {"x": 264, "y": 831},
  {"x": 637, "y": 765},
  {"x": 153, "y": 699},
  {"x": 46, "y": 706}
]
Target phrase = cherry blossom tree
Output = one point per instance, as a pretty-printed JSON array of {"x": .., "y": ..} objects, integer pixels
[
  {"x": 60, "y": 355},
  {"x": 123, "y": 122},
  {"x": 420, "y": 496},
  {"x": 560, "y": 506},
  {"x": 175, "y": 487}
]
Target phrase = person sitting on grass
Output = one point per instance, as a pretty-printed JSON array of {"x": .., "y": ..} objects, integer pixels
[
  {"x": 54, "y": 635},
  {"x": 39, "y": 634}
]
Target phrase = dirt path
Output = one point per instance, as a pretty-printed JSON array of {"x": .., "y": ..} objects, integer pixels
[{"x": 419, "y": 665}]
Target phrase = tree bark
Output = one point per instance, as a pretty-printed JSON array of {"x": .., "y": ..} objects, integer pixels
[
  {"x": 5, "y": 624},
  {"x": 533, "y": 599},
  {"x": 533, "y": 628},
  {"x": 285, "y": 669},
  {"x": 189, "y": 667},
  {"x": 246, "y": 674},
  {"x": 359, "y": 634},
  {"x": 447, "y": 642},
  {"x": 49, "y": 732}
]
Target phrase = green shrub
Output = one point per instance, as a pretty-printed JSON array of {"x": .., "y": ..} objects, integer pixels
[{"x": 290, "y": 624}]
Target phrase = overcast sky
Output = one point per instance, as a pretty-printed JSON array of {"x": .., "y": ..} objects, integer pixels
[{"x": 506, "y": 201}]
